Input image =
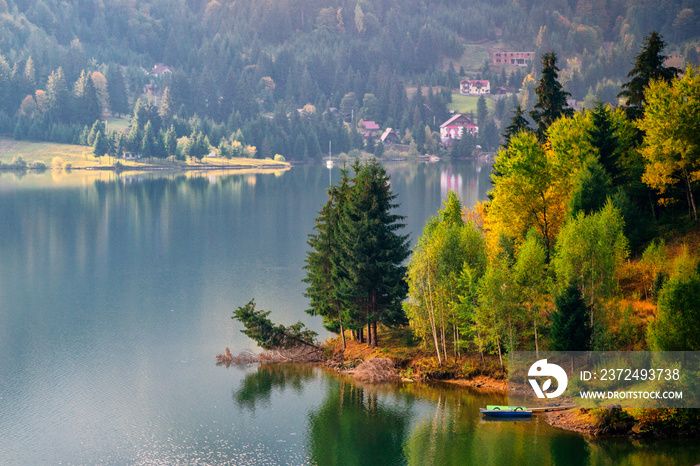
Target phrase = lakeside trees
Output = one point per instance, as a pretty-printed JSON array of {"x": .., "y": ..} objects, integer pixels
[
  {"x": 565, "y": 214},
  {"x": 354, "y": 270}
]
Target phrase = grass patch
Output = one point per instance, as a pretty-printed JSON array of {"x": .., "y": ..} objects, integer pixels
[
  {"x": 467, "y": 103},
  {"x": 473, "y": 57},
  {"x": 81, "y": 157},
  {"x": 77, "y": 156},
  {"x": 118, "y": 124}
]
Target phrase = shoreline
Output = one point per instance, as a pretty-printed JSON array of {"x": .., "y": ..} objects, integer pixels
[{"x": 604, "y": 422}]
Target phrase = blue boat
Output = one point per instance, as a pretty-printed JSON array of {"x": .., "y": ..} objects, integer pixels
[{"x": 506, "y": 411}]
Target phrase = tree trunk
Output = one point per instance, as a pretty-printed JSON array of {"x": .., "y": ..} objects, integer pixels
[
  {"x": 431, "y": 318},
  {"x": 375, "y": 341},
  {"x": 500, "y": 357},
  {"x": 342, "y": 335},
  {"x": 537, "y": 348},
  {"x": 369, "y": 334},
  {"x": 692, "y": 199}
]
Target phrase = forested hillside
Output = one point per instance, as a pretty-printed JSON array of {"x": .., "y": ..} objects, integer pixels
[{"x": 236, "y": 64}]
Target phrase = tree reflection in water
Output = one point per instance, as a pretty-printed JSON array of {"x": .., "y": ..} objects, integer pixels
[
  {"x": 354, "y": 426},
  {"x": 257, "y": 386}
]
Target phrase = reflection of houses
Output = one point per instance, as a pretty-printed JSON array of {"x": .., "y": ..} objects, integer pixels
[
  {"x": 390, "y": 137},
  {"x": 474, "y": 87},
  {"x": 455, "y": 127},
  {"x": 512, "y": 58},
  {"x": 370, "y": 129}
]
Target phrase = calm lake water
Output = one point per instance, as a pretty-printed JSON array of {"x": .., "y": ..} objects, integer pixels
[{"x": 116, "y": 294}]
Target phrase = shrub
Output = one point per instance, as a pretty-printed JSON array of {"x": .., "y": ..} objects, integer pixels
[
  {"x": 68, "y": 167},
  {"x": 38, "y": 165},
  {"x": 280, "y": 158},
  {"x": 19, "y": 162},
  {"x": 57, "y": 163}
]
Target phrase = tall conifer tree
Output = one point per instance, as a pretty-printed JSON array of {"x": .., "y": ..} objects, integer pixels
[
  {"x": 648, "y": 66},
  {"x": 551, "y": 97},
  {"x": 371, "y": 252}
]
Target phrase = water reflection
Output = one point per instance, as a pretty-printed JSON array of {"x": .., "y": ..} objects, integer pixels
[
  {"x": 257, "y": 387},
  {"x": 355, "y": 425}
]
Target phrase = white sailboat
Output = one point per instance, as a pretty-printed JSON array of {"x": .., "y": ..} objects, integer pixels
[{"x": 329, "y": 162}]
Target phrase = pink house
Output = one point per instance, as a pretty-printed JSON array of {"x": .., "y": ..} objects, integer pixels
[
  {"x": 512, "y": 58},
  {"x": 370, "y": 129},
  {"x": 455, "y": 128}
]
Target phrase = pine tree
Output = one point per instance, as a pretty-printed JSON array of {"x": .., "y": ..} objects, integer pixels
[
  {"x": 148, "y": 143},
  {"x": 570, "y": 329},
  {"x": 171, "y": 141},
  {"x": 322, "y": 284},
  {"x": 518, "y": 124},
  {"x": 371, "y": 252},
  {"x": 100, "y": 145},
  {"x": 603, "y": 136},
  {"x": 116, "y": 88},
  {"x": 167, "y": 109},
  {"x": 551, "y": 98},
  {"x": 87, "y": 104},
  {"x": 648, "y": 66},
  {"x": 58, "y": 96}
]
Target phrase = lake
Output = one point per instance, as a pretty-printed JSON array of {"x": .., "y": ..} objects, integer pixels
[{"x": 116, "y": 293}]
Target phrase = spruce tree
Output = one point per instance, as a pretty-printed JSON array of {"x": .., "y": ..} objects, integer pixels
[
  {"x": 100, "y": 145},
  {"x": 551, "y": 98},
  {"x": 648, "y": 66},
  {"x": 371, "y": 252},
  {"x": 322, "y": 284},
  {"x": 116, "y": 88},
  {"x": 603, "y": 136},
  {"x": 87, "y": 104},
  {"x": 518, "y": 124},
  {"x": 570, "y": 328}
]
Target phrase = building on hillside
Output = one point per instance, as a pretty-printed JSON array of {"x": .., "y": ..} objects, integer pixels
[
  {"x": 160, "y": 69},
  {"x": 474, "y": 87},
  {"x": 390, "y": 137},
  {"x": 454, "y": 128},
  {"x": 512, "y": 58},
  {"x": 370, "y": 129}
]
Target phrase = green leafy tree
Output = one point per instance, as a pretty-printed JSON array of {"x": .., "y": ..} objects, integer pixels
[
  {"x": 648, "y": 67},
  {"x": 589, "y": 251},
  {"x": 671, "y": 137},
  {"x": 678, "y": 311},
  {"x": 570, "y": 329},
  {"x": 447, "y": 247},
  {"x": 529, "y": 191},
  {"x": 551, "y": 98}
]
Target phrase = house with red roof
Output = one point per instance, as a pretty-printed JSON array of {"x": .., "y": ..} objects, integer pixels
[
  {"x": 456, "y": 127},
  {"x": 370, "y": 129}
]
